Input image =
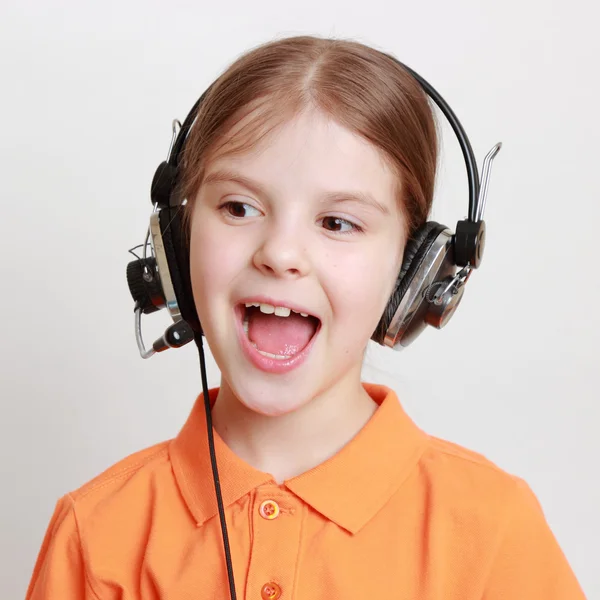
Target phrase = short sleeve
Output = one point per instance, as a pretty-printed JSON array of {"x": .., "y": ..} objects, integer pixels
[
  {"x": 529, "y": 564},
  {"x": 59, "y": 572}
]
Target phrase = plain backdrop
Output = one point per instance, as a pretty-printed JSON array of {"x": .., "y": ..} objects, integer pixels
[{"x": 88, "y": 94}]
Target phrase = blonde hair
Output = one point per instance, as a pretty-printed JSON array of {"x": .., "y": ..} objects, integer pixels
[{"x": 361, "y": 88}]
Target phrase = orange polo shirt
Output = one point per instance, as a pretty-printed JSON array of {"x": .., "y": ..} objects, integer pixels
[{"x": 395, "y": 514}]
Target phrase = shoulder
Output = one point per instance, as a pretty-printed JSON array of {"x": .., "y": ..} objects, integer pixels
[
  {"x": 100, "y": 523},
  {"x": 139, "y": 465},
  {"x": 498, "y": 515},
  {"x": 464, "y": 469},
  {"x": 126, "y": 491},
  {"x": 471, "y": 488}
]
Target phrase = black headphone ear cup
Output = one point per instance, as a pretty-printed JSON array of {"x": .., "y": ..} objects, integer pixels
[
  {"x": 415, "y": 252},
  {"x": 178, "y": 259}
]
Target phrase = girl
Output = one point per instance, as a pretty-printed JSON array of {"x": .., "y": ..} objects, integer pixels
[{"x": 310, "y": 166}]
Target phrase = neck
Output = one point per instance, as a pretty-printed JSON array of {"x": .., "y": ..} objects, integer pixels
[{"x": 288, "y": 445}]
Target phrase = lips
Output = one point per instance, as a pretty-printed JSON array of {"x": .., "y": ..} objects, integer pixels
[{"x": 293, "y": 356}]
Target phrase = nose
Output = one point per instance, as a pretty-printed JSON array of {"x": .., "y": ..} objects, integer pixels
[{"x": 282, "y": 252}]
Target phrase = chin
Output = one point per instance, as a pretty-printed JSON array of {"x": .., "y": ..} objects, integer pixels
[{"x": 273, "y": 398}]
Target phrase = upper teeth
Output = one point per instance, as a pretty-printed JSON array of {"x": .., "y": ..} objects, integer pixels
[{"x": 280, "y": 311}]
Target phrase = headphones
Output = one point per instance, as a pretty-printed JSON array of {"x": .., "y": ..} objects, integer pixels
[{"x": 436, "y": 266}]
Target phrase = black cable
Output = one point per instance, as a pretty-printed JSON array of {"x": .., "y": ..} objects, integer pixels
[{"x": 213, "y": 462}]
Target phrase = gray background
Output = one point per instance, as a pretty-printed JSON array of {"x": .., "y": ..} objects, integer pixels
[{"x": 88, "y": 94}]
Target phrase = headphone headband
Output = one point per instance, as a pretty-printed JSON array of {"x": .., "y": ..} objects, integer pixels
[{"x": 465, "y": 145}]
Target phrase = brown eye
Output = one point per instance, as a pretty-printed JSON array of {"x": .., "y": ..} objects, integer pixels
[
  {"x": 338, "y": 225},
  {"x": 239, "y": 210},
  {"x": 236, "y": 209}
]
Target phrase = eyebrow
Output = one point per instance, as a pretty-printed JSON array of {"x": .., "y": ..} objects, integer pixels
[{"x": 226, "y": 175}]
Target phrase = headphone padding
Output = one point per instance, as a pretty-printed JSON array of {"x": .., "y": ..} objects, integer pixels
[
  {"x": 416, "y": 250},
  {"x": 414, "y": 253},
  {"x": 178, "y": 258}
]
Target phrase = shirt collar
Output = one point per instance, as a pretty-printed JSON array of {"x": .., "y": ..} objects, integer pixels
[{"x": 349, "y": 488}]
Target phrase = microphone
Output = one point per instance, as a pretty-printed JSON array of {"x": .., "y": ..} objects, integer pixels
[{"x": 176, "y": 335}]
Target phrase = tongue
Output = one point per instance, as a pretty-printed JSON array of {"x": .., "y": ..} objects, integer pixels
[{"x": 284, "y": 336}]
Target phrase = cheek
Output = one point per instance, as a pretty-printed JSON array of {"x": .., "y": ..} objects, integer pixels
[
  {"x": 202, "y": 269},
  {"x": 214, "y": 261},
  {"x": 360, "y": 285}
]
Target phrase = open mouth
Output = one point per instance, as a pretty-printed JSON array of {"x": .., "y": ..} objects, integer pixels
[{"x": 277, "y": 332}]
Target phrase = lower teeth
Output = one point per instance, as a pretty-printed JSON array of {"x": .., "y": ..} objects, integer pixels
[{"x": 275, "y": 356}]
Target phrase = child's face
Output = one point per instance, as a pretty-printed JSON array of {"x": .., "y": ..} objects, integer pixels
[{"x": 289, "y": 235}]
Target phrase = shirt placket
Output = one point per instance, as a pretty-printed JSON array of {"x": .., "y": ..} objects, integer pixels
[{"x": 276, "y": 527}]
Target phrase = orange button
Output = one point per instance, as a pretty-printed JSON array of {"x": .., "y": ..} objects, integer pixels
[
  {"x": 269, "y": 509},
  {"x": 270, "y": 591}
]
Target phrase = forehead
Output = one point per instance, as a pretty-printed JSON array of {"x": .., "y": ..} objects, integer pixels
[{"x": 308, "y": 152}]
